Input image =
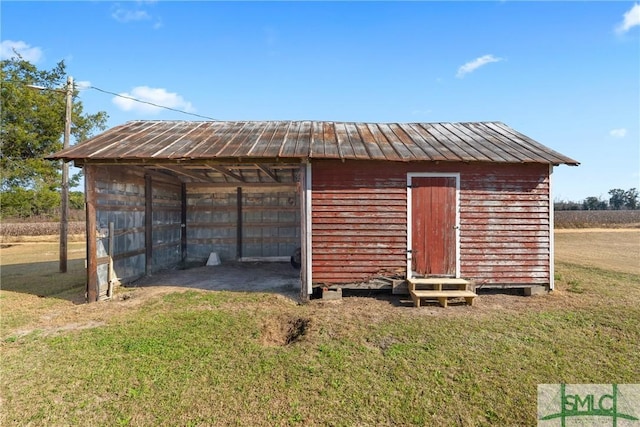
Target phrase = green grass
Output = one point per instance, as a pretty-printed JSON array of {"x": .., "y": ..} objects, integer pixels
[{"x": 201, "y": 358}]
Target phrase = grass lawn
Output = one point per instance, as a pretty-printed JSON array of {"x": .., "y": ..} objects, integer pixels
[{"x": 175, "y": 357}]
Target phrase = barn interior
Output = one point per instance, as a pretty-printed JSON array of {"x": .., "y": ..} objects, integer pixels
[{"x": 162, "y": 217}]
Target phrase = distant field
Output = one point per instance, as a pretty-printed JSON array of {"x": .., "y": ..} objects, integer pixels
[
  {"x": 616, "y": 250},
  {"x": 22, "y": 230},
  {"x": 597, "y": 219},
  {"x": 170, "y": 356}
]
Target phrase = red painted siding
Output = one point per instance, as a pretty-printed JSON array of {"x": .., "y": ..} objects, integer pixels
[
  {"x": 359, "y": 211},
  {"x": 504, "y": 230},
  {"x": 358, "y": 221}
]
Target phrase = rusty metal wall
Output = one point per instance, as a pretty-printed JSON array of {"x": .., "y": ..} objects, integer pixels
[
  {"x": 269, "y": 224},
  {"x": 120, "y": 199},
  {"x": 359, "y": 212},
  {"x": 211, "y": 223},
  {"x": 167, "y": 216}
]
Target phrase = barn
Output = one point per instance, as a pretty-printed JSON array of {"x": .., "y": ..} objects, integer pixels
[{"x": 365, "y": 204}]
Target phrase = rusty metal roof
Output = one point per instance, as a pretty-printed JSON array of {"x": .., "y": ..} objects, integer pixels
[{"x": 162, "y": 141}]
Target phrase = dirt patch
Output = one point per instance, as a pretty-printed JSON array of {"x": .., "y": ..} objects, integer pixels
[
  {"x": 284, "y": 330},
  {"x": 53, "y": 330}
]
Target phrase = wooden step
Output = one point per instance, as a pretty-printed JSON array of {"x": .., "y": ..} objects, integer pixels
[
  {"x": 437, "y": 283},
  {"x": 441, "y": 296}
]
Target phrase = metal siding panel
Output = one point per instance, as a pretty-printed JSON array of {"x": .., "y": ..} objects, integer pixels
[
  {"x": 536, "y": 150},
  {"x": 220, "y": 134},
  {"x": 387, "y": 148},
  {"x": 423, "y": 129},
  {"x": 304, "y": 140},
  {"x": 369, "y": 142},
  {"x": 466, "y": 152},
  {"x": 404, "y": 153},
  {"x": 262, "y": 141},
  {"x": 508, "y": 152},
  {"x": 359, "y": 148},
  {"x": 344, "y": 144},
  {"x": 288, "y": 144},
  {"x": 484, "y": 141}
]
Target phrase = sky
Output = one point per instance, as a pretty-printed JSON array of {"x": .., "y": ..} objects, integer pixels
[{"x": 566, "y": 74}]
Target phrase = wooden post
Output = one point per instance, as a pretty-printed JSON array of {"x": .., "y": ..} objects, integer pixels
[
  {"x": 239, "y": 222},
  {"x": 92, "y": 260},
  {"x": 304, "y": 187},
  {"x": 183, "y": 223},
  {"x": 110, "y": 253},
  {"x": 64, "y": 189},
  {"x": 148, "y": 223}
]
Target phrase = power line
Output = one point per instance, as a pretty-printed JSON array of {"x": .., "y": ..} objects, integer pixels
[
  {"x": 150, "y": 103},
  {"x": 80, "y": 87}
]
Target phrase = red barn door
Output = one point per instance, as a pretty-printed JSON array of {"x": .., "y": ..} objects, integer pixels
[{"x": 433, "y": 226}]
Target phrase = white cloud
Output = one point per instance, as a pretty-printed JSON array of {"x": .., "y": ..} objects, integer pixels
[
  {"x": 630, "y": 19},
  {"x": 127, "y": 15},
  {"x": 136, "y": 12},
  {"x": 9, "y": 48},
  {"x": 471, "y": 66},
  {"x": 158, "y": 96},
  {"x": 618, "y": 133}
]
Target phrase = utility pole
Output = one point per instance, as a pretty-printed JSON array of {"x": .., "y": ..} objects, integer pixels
[{"x": 64, "y": 190}]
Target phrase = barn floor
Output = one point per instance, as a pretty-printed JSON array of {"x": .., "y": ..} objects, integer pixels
[{"x": 278, "y": 277}]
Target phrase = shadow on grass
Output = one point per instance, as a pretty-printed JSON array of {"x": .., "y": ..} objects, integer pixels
[{"x": 44, "y": 280}]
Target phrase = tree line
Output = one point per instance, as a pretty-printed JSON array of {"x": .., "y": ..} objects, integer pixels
[{"x": 619, "y": 200}]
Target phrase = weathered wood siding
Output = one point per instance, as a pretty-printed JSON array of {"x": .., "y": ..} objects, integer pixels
[
  {"x": 359, "y": 221},
  {"x": 504, "y": 230},
  {"x": 360, "y": 212}
]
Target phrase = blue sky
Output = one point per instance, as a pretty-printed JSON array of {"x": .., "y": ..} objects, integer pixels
[{"x": 564, "y": 73}]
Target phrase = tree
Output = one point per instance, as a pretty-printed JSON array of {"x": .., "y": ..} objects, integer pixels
[
  {"x": 33, "y": 124},
  {"x": 631, "y": 198},
  {"x": 594, "y": 204},
  {"x": 617, "y": 199}
]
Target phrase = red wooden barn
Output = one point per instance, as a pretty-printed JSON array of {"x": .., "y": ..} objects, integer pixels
[{"x": 364, "y": 202}]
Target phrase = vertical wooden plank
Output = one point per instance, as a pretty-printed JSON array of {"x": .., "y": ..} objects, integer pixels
[
  {"x": 239, "y": 223},
  {"x": 110, "y": 253},
  {"x": 92, "y": 261},
  {"x": 183, "y": 222},
  {"x": 148, "y": 223}
]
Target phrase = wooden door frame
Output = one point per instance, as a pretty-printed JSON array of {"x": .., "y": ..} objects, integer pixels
[{"x": 410, "y": 177}]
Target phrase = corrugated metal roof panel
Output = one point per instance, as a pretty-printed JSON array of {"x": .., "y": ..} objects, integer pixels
[{"x": 187, "y": 140}]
